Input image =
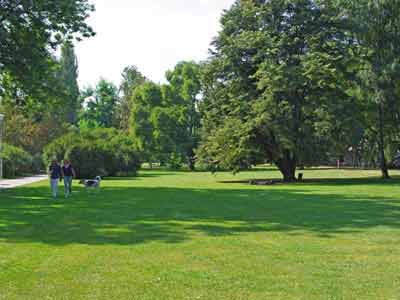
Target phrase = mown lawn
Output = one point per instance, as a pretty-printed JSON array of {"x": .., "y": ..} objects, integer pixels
[{"x": 171, "y": 235}]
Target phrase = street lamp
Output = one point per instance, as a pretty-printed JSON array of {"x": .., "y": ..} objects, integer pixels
[{"x": 1, "y": 136}]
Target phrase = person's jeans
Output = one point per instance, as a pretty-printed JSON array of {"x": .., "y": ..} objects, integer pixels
[
  {"x": 67, "y": 185},
  {"x": 54, "y": 187}
]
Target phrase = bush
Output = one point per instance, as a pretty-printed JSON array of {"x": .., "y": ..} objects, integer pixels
[
  {"x": 16, "y": 161},
  {"x": 37, "y": 163},
  {"x": 103, "y": 152},
  {"x": 174, "y": 162},
  {"x": 58, "y": 148}
]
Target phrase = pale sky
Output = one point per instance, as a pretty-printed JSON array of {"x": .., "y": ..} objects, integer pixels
[{"x": 152, "y": 34}]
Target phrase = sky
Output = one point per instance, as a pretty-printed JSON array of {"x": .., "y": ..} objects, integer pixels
[{"x": 153, "y": 35}]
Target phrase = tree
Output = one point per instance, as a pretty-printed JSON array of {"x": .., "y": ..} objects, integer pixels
[
  {"x": 165, "y": 119},
  {"x": 69, "y": 79},
  {"x": 376, "y": 26},
  {"x": 30, "y": 31},
  {"x": 167, "y": 135},
  {"x": 276, "y": 86},
  {"x": 183, "y": 92},
  {"x": 131, "y": 79},
  {"x": 32, "y": 125},
  {"x": 99, "y": 105},
  {"x": 27, "y": 131},
  {"x": 146, "y": 98}
]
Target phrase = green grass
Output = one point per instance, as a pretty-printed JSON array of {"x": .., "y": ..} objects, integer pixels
[{"x": 171, "y": 235}]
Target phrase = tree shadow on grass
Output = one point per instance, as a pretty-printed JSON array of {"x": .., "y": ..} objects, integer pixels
[
  {"x": 353, "y": 181},
  {"x": 325, "y": 181},
  {"x": 134, "y": 215}
]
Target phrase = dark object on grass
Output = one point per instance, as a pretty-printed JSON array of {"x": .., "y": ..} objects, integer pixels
[
  {"x": 262, "y": 182},
  {"x": 300, "y": 176}
]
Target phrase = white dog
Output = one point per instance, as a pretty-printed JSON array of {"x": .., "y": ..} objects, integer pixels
[{"x": 91, "y": 183}]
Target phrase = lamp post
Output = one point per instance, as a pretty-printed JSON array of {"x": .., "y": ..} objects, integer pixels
[{"x": 1, "y": 145}]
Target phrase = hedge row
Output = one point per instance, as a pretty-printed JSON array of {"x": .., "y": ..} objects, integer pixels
[
  {"x": 103, "y": 152},
  {"x": 16, "y": 161}
]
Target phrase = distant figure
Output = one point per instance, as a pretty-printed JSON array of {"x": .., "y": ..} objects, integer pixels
[
  {"x": 68, "y": 174},
  {"x": 55, "y": 173}
]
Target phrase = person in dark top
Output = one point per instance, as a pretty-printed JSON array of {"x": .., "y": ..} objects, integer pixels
[
  {"x": 55, "y": 174},
  {"x": 68, "y": 173}
]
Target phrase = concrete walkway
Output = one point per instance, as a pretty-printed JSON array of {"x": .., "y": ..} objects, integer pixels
[{"x": 13, "y": 183}]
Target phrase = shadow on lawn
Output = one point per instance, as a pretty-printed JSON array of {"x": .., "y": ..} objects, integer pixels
[
  {"x": 130, "y": 215},
  {"x": 326, "y": 181}
]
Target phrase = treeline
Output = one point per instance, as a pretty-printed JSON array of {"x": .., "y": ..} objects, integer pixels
[
  {"x": 161, "y": 121},
  {"x": 295, "y": 83}
]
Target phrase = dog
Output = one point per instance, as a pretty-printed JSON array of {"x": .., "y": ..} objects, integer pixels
[{"x": 91, "y": 183}]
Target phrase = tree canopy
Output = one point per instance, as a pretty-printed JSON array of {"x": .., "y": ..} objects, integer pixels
[
  {"x": 165, "y": 119},
  {"x": 275, "y": 86},
  {"x": 30, "y": 32},
  {"x": 99, "y": 105}
]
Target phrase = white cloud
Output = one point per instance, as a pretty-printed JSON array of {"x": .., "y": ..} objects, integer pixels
[{"x": 153, "y": 35}]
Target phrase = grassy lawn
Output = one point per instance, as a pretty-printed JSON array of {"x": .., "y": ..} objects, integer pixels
[{"x": 171, "y": 235}]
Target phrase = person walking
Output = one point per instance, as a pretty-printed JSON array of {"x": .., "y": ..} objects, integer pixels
[
  {"x": 55, "y": 173},
  {"x": 68, "y": 174}
]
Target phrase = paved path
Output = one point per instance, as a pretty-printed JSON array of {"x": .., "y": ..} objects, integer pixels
[{"x": 12, "y": 183}]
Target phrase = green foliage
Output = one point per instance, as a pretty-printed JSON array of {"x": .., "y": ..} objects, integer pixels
[
  {"x": 31, "y": 132},
  {"x": 182, "y": 97},
  {"x": 99, "y": 105},
  {"x": 104, "y": 152},
  {"x": 227, "y": 148},
  {"x": 145, "y": 98},
  {"x": 16, "y": 161},
  {"x": 68, "y": 75},
  {"x": 376, "y": 26},
  {"x": 277, "y": 83},
  {"x": 131, "y": 79},
  {"x": 58, "y": 148},
  {"x": 165, "y": 119},
  {"x": 30, "y": 31}
]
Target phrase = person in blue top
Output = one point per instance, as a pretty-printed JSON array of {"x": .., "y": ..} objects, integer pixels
[
  {"x": 68, "y": 173},
  {"x": 55, "y": 174}
]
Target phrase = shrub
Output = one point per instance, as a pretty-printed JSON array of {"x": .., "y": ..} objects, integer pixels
[
  {"x": 104, "y": 152},
  {"x": 37, "y": 163},
  {"x": 174, "y": 162},
  {"x": 58, "y": 148},
  {"x": 89, "y": 160},
  {"x": 16, "y": 161}
]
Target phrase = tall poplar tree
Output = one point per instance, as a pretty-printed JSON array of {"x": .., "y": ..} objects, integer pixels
[{"x": 69, "y": 80}]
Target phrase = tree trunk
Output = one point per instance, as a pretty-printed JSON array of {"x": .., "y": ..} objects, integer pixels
[
  {"x": 382, "y": 159},
  {"x": 287, "y": 165},
  {"x": 191, "y": 163},
  {"x": 191, "y": 160}
]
